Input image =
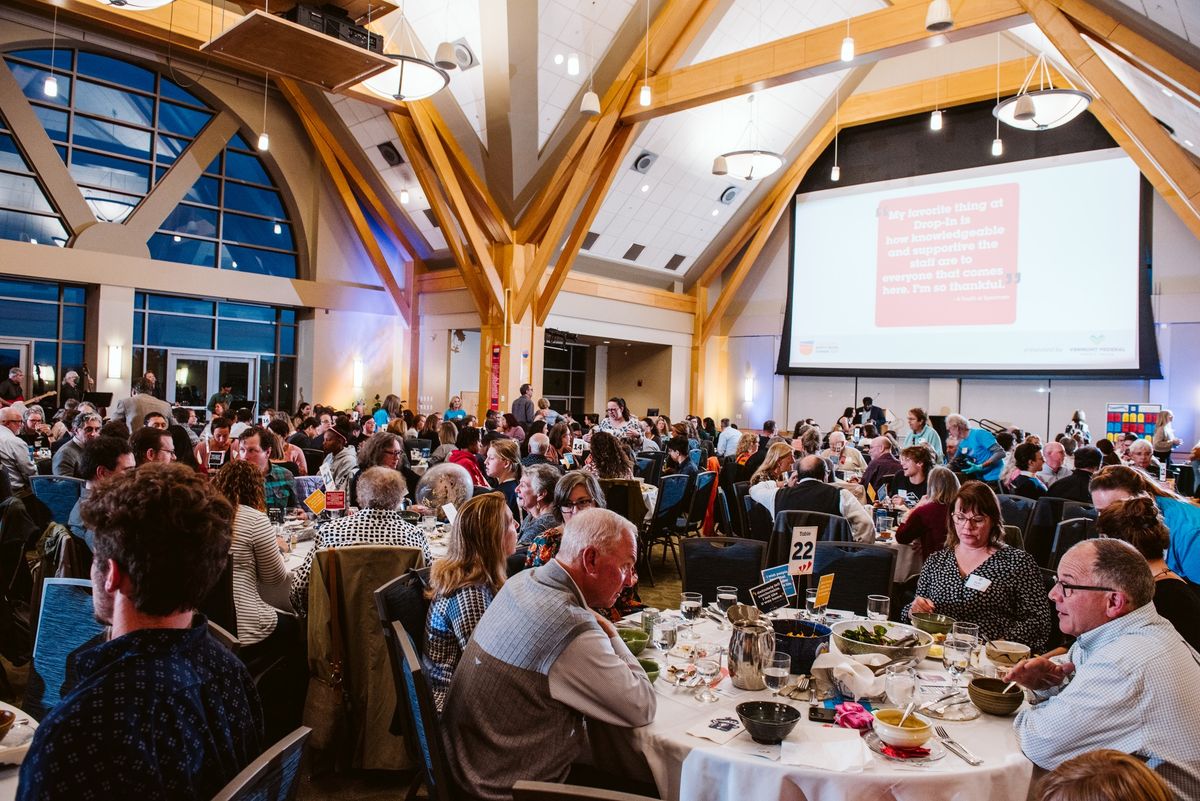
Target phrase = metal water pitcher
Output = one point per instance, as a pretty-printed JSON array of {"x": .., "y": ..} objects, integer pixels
[{"x": 750, "y": 650}]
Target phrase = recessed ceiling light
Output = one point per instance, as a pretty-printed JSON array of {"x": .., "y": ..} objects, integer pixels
[
  {"x": 606, "y": 342},
  {"x": 1188, "y": 142},
  {"x": 1168, "y": 93},
  {"x": 572, "y": 64},
  {"x": 715, "y": 212},
  {"x": 645, "y": 187},
  {"x": 558, "y": 59}
]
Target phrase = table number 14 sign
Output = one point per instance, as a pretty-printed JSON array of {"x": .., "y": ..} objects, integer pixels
[{"x": 804, "y": 546}]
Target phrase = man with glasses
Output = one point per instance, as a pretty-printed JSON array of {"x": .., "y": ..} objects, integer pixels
[
  {"x": 1129, "y": 681},
  {"x": 14, "y": 452},
  {"x": 102, "y": 458},
  {"x": 278, "y": 485},
  {"x": 84, "y": 428},
  {"x": 152, "y": 445}
]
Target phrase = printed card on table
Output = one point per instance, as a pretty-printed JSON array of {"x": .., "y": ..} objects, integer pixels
[
  {"x": 721, "y": 728},
  {"x": 804, "y": 545},
  {"x": 824, "y": 588},
  {"x": 315, "y": 502}
]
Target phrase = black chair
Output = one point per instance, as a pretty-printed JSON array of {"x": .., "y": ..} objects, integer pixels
[
  {"x": 649, "y": 466},
  {"x": 58, "y": 493},
  {"x": 724, "y": 519},
  {"x": 403, "y": 599},
  {"x": 1039, "y": 534},
  {"x": 1067, "y": 534},
  {"x": 272, "y": 776},
  {"x": 312, "y": 460},
  {"x": 674, "y": 494},
  {"x": 218, "y": 605},
  {"x": 710, "y": 562},
  {"x": 1015, "y": 510},
  {"x": 861, "y": 570},
  {"x": 1074, "y": 509},
  {"x": 702, "y": 492},
  {"x": 435, "y": 768},
  {"x": 739, "y": 495},
  {"x": 1185, "y": 481},
  {"x": 758, "y": 519},
  {"x": 830, "y": 528},
  {"x": 624, "y": 497},
  {"x": 547, "y": 791},
  {"x": 1013, "y": 536}
]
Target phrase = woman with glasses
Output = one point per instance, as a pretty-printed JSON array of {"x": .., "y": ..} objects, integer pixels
[
  {"x": 617, "y": 420},
  {"x": 977, "y": 578},
  {"x": 382, "y": 450},
  {"x": 575, "y": 492}
]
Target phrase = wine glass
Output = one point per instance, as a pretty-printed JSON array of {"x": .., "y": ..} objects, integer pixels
[
  {"x": 689, "y": 606},
  {"x": 776, "y": 673}
]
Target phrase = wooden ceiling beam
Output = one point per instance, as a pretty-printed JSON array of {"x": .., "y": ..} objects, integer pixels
[
  {"x": 881, "y": 34},
  {"x": 1165, "y": 164},
  {"x": 480, "y": 293},
  {"x": 607, "y": 171}
]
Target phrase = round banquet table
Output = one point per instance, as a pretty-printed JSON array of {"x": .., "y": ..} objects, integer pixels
[{"x": 689, "y": 768}]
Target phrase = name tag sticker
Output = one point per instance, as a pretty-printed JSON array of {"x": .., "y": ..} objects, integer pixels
[{"x": 977, "y": 582}]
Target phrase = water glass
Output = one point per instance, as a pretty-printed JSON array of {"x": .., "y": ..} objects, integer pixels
[
  {"x": 956, "y": 655},
  {"x": 776, "y": 672},
  {"x": 726, "y": 598},
  {"x": 707, "y": 670},
  {"x": 811, "y": 610},
  {"x": 900, "y": 684},
  {"x": 664, "y": 634},
  {"x": 690, "y": 605},
  {"x": 878, "y": 607}
]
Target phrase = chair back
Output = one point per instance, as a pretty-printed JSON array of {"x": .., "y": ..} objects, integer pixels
[
  {"x": 624, "y": 496},
  {"x": 723, "y": 516},
  {"x": 59, "y": 493},
  {"x": 758, "y": 519},
  {"x": 1068, "y": 533},
  {"x": 1185, "y": 481},
  {"x": 218, "y": 605},
  {"x": 271, "y": 777},
  {"x": 402, "y": 600},
  {"x": 1015, "y": 510},
  {"x": 738, "y": 497},
  {"x": 1039, "y": 534},
  {"x": 709, "y": 562},
  {"x": 66, "y": 622},
  {"x": 423, "y": 714},
  {"x": 695, "y": 455},
  {"x": 702, "y": 495},
  {"x": 830, "y": 528},
  {"x": 312, "y": 460},
  {"x": 861, "y": 570},
  {"x": 546, "y": 791},
  {"x": 369, "y": 742},
  {"x": 1013, "y": 536},
  {"x": 674, "y": 492},
  {"x": 1074, "y": 509},
  {"x": 648, "y": 466}
]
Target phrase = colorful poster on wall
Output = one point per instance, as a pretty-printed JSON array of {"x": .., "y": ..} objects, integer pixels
[
  {"x": 494, "y": 384},
  {"x": 1131, "y": 418}
]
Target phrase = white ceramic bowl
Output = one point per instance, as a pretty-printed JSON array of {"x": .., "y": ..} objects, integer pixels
[{"x": 908, "y": 737}]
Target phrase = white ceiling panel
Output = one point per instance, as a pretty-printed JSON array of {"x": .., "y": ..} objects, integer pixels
[
  {"x": 566, "y": 28},
  {"x": 1181, "y": 17}
]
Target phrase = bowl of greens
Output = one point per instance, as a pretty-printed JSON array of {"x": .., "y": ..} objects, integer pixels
[{"x": 893, "y": 640}]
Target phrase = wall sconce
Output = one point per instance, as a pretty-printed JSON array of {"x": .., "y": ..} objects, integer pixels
[
  {"x": 748, "y": 390},
  {"x": 358, "y": 373},
  {"x": 114, "y": 361}
]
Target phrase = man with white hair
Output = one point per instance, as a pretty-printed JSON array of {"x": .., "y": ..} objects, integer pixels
[
  {"x": 538, "y": 445},
  {"x": 540, "y": 661},
  {"x": 841, "y": 457},
  {"x": 11, "y": 390},
  {"x": 14, "y": 452},
  {"x": 883, "y": 464},
  {"x": 1056, "y": 463}
]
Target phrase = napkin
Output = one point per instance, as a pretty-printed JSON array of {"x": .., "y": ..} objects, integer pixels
[
  {"x": 826, "y": 747},
  {"x": 720, "y": 728},
  {"x": 855, "y": 673},
  {"x": 853, "y": 716}
]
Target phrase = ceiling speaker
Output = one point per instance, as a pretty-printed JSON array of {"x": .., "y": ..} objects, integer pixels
[
  {"x": 644, "y": 161},
  {"x": 391, "y": 154},
  {"x": 728, "y": 194},
  {"x": 464, "y": 55}
]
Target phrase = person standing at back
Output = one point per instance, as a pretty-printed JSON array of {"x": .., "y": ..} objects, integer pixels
[{"x": 522, "y": 407}]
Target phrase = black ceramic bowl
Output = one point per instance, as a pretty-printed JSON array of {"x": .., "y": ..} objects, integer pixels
[{"x": 767, "y": 721}]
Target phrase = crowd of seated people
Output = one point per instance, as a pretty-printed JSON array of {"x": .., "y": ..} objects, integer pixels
[{"x": 537, "y": 568}]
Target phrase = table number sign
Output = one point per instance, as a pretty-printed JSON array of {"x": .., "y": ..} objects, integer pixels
[
  {"x": 315, "y": 502},
  {"x": 804, "y": 545},
  {"x": 769, "y": 596},
  {"x": 781, "y": 572}
]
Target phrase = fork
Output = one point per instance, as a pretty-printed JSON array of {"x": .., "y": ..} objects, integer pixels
[{"x": 959, "y": 750}]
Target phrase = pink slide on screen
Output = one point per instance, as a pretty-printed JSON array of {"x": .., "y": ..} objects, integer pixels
[{"x": 948, "y": 258}]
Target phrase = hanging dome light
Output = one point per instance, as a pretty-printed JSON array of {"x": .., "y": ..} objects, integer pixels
[
  {"x": 749, "y": 165},
  {"x": 413, "y": 77},
  {"x": 1042, "y": 108}
]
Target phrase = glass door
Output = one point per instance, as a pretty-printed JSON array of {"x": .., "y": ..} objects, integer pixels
[
  {"x": 16, "y": 353},
  {"x": 195, "y": 376}
]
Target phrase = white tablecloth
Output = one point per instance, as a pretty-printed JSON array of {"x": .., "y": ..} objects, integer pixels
[
  {"x": 8, "y": 775},
  {"x": 692, "y": 769}
]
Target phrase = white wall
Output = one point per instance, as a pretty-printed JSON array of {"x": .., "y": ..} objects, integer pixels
[
  {"x": 464, "y": 365},
  {"x": 754, "y": 325}
]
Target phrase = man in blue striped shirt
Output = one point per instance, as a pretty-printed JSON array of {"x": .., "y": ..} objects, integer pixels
[{"x": 1129, "y": 681}]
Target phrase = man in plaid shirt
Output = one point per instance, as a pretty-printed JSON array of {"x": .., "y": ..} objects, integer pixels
[{"x": 255, "y": 448}]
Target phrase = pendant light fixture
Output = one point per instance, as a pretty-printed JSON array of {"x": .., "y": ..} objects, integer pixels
[
  {"x": 50, "y": 85},
  {"x": 414, "y": 77},
  {"x": 135, "y": 5},
  {"x": 938, "y": 16},
  {"x": 997, "y": 143},
  {"x": 835, "y": 174},
  {"x": 935, "y": 120},
  {"x": 644, "y": 94},
  {"x": 403, "y": 197},
  {"x": 848, "y": 44},
  {"x": 1045, "y": 107},
  {"x": 264, "y": 139},
  {"x": 444, "y": 57},
  {"x": 753, "y": 163},
  {"x": 590, "y": 105}
]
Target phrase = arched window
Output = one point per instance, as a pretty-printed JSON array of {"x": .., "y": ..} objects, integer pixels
[{"x": 119, "y": 127}]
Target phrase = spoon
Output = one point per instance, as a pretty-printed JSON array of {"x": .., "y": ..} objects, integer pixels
[
  {"x": 907, "y": 711},
  {"x": 1009, "y": 686}
]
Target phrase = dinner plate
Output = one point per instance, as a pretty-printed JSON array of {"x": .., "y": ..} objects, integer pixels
[
  {"x": 964, "y": 711},
  {"x": 15, "y": 744},
  {"x": 936, "y": 750}
]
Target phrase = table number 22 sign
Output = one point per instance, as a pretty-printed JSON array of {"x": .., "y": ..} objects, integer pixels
[{"x": 804, "y": 545}]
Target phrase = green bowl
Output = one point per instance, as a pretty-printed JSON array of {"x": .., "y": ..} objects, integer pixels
[
  {"x": 651, "y": 667},
  {"x": 988, "y": 694},
  {"x": 636, "y": 639},
  {"x": 932, "y": 622}
]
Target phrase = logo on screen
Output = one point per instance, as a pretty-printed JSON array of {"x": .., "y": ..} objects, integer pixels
[{"x": 805, "y": 348}]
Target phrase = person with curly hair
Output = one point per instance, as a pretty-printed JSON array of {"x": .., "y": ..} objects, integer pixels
[
  {"x": 463, "y": 583},
  {"x": 159, "y": 709},
  {"x": 262, "y": 631},
  {"x": 609, "y": 458}
]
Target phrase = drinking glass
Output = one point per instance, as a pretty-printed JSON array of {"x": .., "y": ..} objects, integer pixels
[
  {"x": 811, "y": 610},
  {"x": 900, "y": 684},
  {"x": 776, "y": 673},
  {"x": 878, "y": 607},
  {"x": 708, "y": 669},
  {"x": 664, "y": 634},
  {"x": 690, "y": 605},
  {"x": 726, "y": 598},
  {"x": 959, "y": 647}
]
